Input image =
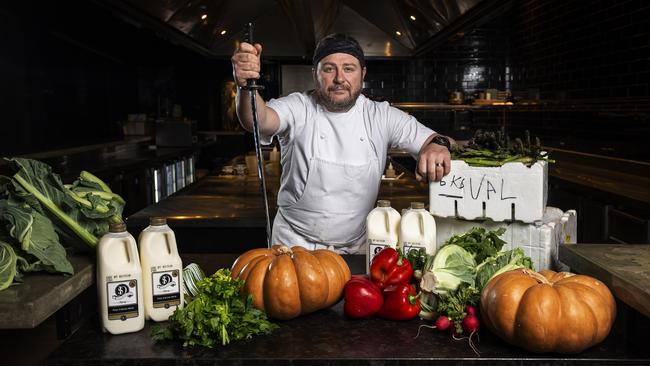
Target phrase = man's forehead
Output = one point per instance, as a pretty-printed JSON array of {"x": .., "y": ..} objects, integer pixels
[{"x": 340, "y": 59}]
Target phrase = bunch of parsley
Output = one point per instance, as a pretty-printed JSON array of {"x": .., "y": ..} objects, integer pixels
[{"x": 219, "y": 312}]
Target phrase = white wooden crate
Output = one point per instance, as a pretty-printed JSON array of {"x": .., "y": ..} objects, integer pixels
[
  {"x": 539, "y": 240},
  {"x": 510, "y": 192}
]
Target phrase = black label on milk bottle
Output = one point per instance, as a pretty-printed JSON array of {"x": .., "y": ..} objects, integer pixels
[
  {"x": 122, "y": 299},
  {"x": 165, "y": 287}
]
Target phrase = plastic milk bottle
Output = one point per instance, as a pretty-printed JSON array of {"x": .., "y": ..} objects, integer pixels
[
  {"x": 162, "y": 270},
  {"x": 119, "y": 281},
  {"x": 417, "y": 230},
  {"x": 382, "y": 228}
]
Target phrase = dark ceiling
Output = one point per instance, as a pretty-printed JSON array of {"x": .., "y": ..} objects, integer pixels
[{"x": 290, "y": 28}]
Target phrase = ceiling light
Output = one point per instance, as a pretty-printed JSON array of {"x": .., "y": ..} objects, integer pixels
[
  {"x": 204, "y": 16},
  {"x": 398, "y": 33},
  {"x": 223, "y": 32},
  {"x": 412, "y": 17}
]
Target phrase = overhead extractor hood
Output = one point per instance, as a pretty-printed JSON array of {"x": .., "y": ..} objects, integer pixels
[{"x": 291, "y": 28}]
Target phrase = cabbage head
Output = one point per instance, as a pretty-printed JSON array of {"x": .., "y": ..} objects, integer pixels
[{"x": 450, "y": 267}]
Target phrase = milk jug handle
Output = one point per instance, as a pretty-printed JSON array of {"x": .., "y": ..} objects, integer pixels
[
  {"x": 173, "y": 249},
  {"x": 421, "y": 219},
  {"x": 133, "y": 254}
]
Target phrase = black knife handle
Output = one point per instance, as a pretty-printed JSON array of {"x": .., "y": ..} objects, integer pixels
[{"x": 251, "y": 84}]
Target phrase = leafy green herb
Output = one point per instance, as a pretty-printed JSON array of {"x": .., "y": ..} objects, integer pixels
[
  {"x": 219, "y": 313},
  {"x": 479, "y": 242},
  {"x": 417, "y": 258}
]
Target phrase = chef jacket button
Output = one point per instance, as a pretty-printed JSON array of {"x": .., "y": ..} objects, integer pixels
[
  {"x": 322, "y": 137},
  {"x": 361, "y": 138}
]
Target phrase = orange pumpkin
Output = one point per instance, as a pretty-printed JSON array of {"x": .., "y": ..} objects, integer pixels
[
  {"x": 548, "y": 311},
  {"x": 288, "y": 282}
]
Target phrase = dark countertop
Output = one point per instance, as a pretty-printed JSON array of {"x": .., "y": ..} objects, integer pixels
[
  {"x": 41, "y": 294},
  {"x": 236, "y": 201},
  {"x": 327, "y": 337},
  {"x": 107, "y": 159},
  {"x": 624, "y": 268},
  {"x": 624, "y": 179}
]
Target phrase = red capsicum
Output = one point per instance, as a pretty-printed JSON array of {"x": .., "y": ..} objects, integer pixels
[
  {"x": 362, "y": 298},
  {"x": 401, "y": 302},
  {"x": 390, "y": 267}
]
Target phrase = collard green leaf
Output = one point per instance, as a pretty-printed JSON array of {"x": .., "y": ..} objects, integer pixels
[
  {"x": 36, "y": 184},
  {"x": 36, "y": 236},
  {"x": 7, "y": 265}
]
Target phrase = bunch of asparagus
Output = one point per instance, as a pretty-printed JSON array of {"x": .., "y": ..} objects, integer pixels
[{"x": 493, "y": 149}]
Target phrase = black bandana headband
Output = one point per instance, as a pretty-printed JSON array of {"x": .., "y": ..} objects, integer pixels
[{"x": 338, "y": 43}]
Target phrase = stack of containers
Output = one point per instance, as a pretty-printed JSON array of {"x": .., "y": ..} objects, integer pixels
[{"x": 513, "y": 196}]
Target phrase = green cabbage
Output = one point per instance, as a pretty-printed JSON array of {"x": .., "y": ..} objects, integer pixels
[
  {"x": 450, "y": 267},
  {"x": 500, "y": 263}
]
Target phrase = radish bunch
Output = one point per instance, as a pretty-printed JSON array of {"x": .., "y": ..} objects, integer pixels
[{"x": 468, "y": 325}]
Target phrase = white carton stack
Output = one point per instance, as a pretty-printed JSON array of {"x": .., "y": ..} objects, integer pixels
[{"x": 512, "y": 196}]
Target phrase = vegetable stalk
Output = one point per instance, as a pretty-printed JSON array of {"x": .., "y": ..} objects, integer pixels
[{"x": 86, "y": 236}]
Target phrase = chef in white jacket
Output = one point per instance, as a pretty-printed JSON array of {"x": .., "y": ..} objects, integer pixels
[{"x": 334, "y": 143}]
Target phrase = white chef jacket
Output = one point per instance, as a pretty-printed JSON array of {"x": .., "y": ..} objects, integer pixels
[{"x": 345, "y": 142}]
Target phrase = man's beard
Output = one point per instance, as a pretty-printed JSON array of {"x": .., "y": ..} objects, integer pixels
[{"x": 332, "y": 105}]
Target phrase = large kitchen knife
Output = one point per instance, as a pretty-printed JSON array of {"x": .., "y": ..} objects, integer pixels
[{"x": 252, "y": 87}]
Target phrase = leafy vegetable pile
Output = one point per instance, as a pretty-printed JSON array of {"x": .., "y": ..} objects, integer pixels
[
  {"x": 454, "y": 278},
  {"x": 218, "y": 313},
  {"x": 490, "y": 149},
  {"x": 39, "y": 216}
]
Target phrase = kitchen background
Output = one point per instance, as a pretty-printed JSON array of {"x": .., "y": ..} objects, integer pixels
[
  {"x": 72, "y": 72},
  {"x": 80, "y": 73},
  {"x": 76, "y": 76}
]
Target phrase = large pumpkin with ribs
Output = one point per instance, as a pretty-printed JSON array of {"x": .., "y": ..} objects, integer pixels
[
  {"x": 288, "y": 282},
  {"x": 548, "y": 311}
]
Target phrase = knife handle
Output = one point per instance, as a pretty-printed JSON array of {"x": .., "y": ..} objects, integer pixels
[{"x": 251, "y": 84}]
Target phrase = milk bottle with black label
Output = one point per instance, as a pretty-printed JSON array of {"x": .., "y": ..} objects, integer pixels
[
  {"x": 119, "y": 281},
  {"x": 417, "y": 230},
  {"x": 382, "y": 228},
  {"x": 162, "y": 270}
]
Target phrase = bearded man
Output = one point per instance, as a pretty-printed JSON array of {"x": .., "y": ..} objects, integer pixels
[{"x": 334, "y": 142}]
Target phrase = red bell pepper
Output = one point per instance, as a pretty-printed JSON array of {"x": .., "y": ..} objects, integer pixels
[
  {"x": 401, "y": 302},
  {"x": 390, "y": 267},
  {"x": 362, "y": 298}
]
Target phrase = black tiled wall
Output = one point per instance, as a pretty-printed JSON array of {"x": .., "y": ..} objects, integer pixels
[
  {"x": 469, "y": 62},
  {"x": 590, "y": 58},
  {"x": 578, "y": 50},
  {"x": 586, "y": 61}
]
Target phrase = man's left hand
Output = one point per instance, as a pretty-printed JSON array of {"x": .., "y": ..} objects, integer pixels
[{"x": 434, "y": 162}]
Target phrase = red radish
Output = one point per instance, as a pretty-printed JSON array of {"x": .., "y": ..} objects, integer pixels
[
  {"x": 471, "y": 310},
  {"x": 470, "y": 323},
  {"x": 443, "y": 323}
]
